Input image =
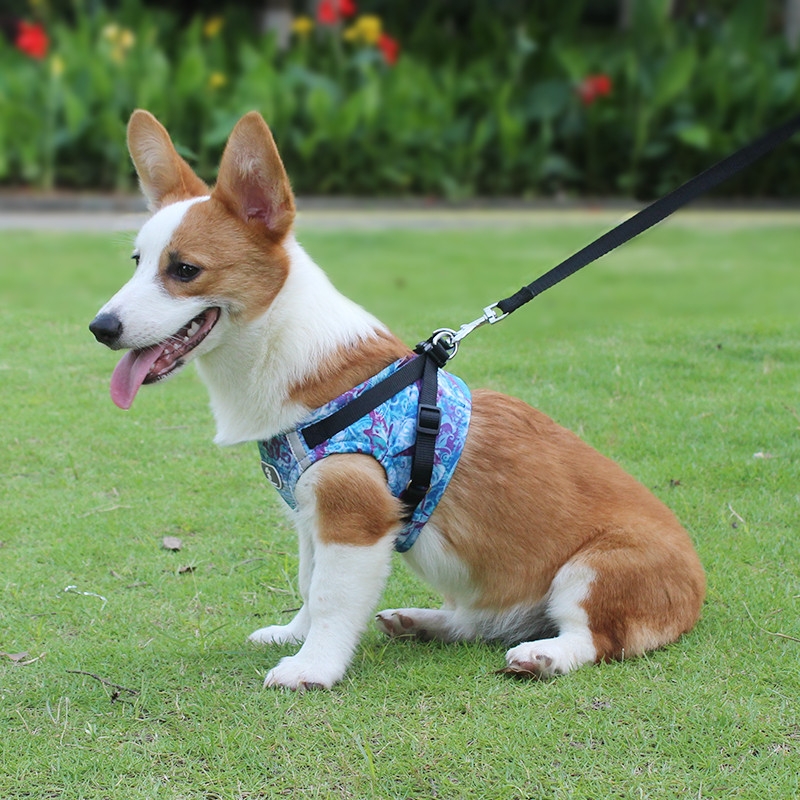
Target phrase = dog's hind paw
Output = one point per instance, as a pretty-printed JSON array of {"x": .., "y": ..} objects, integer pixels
[
  {"x": 547, "y": 658},
  {"x": 393, "y": 623},
  {"x": 422, "y": 623}
]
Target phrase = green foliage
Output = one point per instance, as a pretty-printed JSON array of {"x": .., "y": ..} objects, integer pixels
[
  {"x": 485, "y": 102},
  {"x": 678, "y": 356}
]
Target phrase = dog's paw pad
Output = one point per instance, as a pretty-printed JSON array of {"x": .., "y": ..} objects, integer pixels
[
  {"x": 394, "y": 624},
  {"x": 405, "y": 622}
]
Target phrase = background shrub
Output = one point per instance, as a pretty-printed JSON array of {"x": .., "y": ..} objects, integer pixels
[{"x": 483, "y": 98}]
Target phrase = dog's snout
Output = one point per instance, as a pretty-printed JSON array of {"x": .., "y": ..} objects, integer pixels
[{"x": 107, "y": 328}]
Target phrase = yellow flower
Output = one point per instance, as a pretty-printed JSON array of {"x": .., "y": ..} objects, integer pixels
[
  {"x": 216, "y": 80},
  {"x": 351, "y": 34},
  {"x": 111, "y": 32},
  {"x": 56, "y": 66},
  {"x": 369, "y": 28},
  {"x": 127, "y": 39},
  {"x": 212, "y": 27},
  {"x": 120, "y": 39},
  {"x": 302, "y": 26}
]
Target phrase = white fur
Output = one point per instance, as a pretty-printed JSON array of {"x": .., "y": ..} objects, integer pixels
[
  {"x": 249, "y": 369},
  {"x": 438, "y": 565},
  {"x": 249, "y": 375},
  {"x": 344, "y": 585},
  {"x": 443, "y": 624},
  {"x": 560, "y": 608},
  {"x": 461, "y": 623},
  {"x": 574, "y": 646},
  {"x": 296, "y": 630}
]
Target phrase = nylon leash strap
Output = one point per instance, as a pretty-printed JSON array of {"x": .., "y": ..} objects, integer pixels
[{"x": 625, "y": 231}]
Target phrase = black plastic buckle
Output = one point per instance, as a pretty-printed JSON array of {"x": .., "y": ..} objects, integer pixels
[
  {"x": 437, "y": 352},
  {"x": 429, "y": 418}
]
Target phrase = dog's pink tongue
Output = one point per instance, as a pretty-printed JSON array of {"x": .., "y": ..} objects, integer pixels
[{"x": 130, "y": 372}]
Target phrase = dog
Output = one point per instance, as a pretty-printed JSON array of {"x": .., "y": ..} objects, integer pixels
[{"x": 538, "y": 540}]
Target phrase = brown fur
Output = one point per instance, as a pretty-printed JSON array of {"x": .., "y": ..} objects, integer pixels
[
  {"x": 528, "y": 496},
  {"x": 252, "y": 181},
  {"x": 163, "y": 175},
  {"x": 347, "y": 368},
  {"x": 354, "y": 505},
  {"x": 250, "y": 211},
  {"x": 239, "y": 263}
]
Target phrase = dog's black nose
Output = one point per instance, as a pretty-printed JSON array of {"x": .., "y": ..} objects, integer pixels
[{"x": 107, "y": 328}]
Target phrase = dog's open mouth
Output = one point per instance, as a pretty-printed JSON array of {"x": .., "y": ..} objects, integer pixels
[{"x": 151, "y": 364}]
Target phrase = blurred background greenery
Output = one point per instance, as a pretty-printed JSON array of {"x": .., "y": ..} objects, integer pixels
[{"x": 444, "y": 98}]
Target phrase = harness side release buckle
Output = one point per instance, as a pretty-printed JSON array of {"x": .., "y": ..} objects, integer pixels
[{"x": 429, "y": 418}]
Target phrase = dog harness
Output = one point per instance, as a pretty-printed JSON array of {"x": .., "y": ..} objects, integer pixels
[{"x": 389, "y": 433}]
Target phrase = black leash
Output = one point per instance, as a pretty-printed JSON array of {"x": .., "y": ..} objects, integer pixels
[
  {"x": 436, "y": 351},
  {"x": 625, "y": 231}
]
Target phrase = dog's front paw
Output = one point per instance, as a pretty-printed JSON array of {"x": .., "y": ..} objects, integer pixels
[
  {"x": 276, "y": 634},
  {"x": 300, "y": 673}
]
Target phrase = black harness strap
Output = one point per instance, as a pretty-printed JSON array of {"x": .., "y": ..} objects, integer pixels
[
  {"x": 321, "y": 431},
  {"x": 429, "y": 417},
  {"x": 425, "y": 368},
  {"x": 654, "y": 213}
]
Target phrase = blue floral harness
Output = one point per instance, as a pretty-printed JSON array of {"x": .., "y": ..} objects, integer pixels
[{"x": 389, "y": 433}]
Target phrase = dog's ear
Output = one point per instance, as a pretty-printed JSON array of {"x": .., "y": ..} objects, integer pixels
[
  {"x": 163, "y": 175},
  {"x": 252, "y": 181}
]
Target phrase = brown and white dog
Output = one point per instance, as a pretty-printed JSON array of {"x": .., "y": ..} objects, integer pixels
[{"x": 538, "y": 539}]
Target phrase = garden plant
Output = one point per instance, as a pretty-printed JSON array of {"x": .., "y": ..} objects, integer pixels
[{"x": 371, "y": 99}]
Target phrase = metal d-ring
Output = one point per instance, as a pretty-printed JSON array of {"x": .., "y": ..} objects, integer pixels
[{"x": 447, "y": 338}]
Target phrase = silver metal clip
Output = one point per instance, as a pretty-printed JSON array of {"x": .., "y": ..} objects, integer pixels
[
  {"x": 491, "y": 316},
  {"x": 450, "y": 338}
]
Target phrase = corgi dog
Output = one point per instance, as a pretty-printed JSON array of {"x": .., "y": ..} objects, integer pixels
[{"x": 538, "y": 540}]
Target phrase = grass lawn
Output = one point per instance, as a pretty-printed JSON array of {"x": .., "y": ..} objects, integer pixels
[{"x": 679, "y": 356}]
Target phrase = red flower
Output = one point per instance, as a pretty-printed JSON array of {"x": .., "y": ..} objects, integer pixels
[
  {"x": 347, "y": 8},
  {"x": 592, "y": 87},
  {"x": 390, "y": 48},
  {"x": 32, "y": 40},
  {"x": 327, "y": 13},
  {"x": 602, "y": 85}
]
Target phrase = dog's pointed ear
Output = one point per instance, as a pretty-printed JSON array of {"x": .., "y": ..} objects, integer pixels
[
  {"x": 252, "y": 181},
  {"x": 163, "y": 175}
]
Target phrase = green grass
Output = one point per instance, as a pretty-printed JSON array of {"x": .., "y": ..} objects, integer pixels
[{"x": 679, "y": 356}]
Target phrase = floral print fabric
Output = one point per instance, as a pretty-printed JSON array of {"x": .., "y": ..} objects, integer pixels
[{"x": 388, "y": 433}]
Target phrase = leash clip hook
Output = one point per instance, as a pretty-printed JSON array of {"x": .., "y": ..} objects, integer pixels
[
  {"x": 449, "y": 339},
  {"x": 490, "y": 315}
]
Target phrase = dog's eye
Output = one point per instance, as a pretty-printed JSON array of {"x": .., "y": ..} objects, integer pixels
[
  {"x": 184, "y": 272},
  {"x": 136, "y": 257}
]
